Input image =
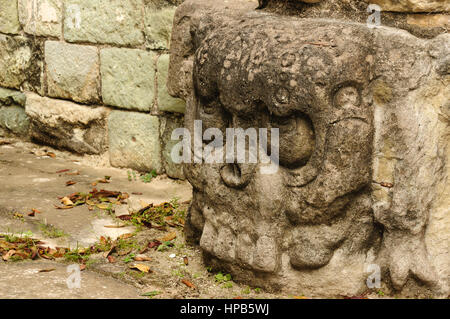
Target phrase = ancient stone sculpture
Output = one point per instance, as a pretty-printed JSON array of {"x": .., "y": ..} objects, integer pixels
[{"x": 363, "y": 115}]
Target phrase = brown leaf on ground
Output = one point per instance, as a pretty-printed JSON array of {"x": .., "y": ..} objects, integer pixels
[
  {"x": 188, "y": 283},
  {"x": 169, "y": 237},
  {"x": 47, "y": 270},
  {"x": 137, "y": 193},
  {"x": 51, "y": 154},
  {"x": 66, "y": 201},
  {"x": 142, "y": 258},
  {"x": 154, "y": 244},
  {"x": 63, "y": 207},
  {"x": 31, "y": 214},
  {"x": 8, "y": 255},
  {"x": 109, "y": 252},
  {"x": 73, "y": 173},
  {"x": 114, "y": 226},
  {"x": 82, "y": 267},
  {"x": 126, "y": 236},
  {"x": 125, "y": 217},
  {"x": 63, "y": 171},
  {"x": 69, "y": 183},
  {"x": 34, "y": 210},
  {"x": 141, "y": 267},
  {"x": 186, "y": 260},
  {"x": 111, "y": 259}
]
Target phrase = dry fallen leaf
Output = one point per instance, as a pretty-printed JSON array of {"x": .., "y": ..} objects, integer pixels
[
  {"x": 114, "y": 226},
  {"x": 9, "y": 254},
  {"x": 47, "y": 270},
  {"x": 186, "y": 260},
  {"x": 141, "y": 267},
  {"x": 73, "y": 173},
  {"x": 69, "y": 183},
  {"x": 62, "y": 171},
  {"x": 66, "y": 201},
  {"x": 111, "y": 259},
  {"x": 142, "y": 258},
  {"x": 188, "y": 283},
  {"x": 82, "y": 267},
  {"x": 126, "y": 236},
  {"x": 51, "y": 154},
  {"x": 169, "y": 237},
  {"x": 31, "y": 214}
]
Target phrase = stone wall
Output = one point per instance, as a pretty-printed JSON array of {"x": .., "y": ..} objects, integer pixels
[{"x": 89, "y": 76}]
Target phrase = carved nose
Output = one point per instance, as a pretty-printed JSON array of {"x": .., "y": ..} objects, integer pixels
[{"x": 237, "y": 175}]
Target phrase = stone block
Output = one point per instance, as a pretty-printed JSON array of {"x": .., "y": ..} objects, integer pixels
[
  {"x": 134, "y": 141},
  {"x": 9, "y": 17},
  {"x": 114, "y": 22},
  {"x": 66, "y": 125},
  {"x": 166, "y": 102},
  {"x": 41, "y": 18},
  {"x": 128, "y": 78},
  {"x": 73, "y": 71}
]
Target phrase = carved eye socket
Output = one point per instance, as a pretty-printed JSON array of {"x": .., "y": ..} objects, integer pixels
[{"x": 297, "y": 139}]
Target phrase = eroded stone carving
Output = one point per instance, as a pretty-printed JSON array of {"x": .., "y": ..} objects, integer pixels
[{"x": 364, "y": 148}]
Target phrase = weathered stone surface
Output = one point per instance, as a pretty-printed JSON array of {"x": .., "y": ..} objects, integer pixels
[
  {"x": 364, "y": 127},
  {"x": 12, "y": 113},
  {"x": 73, "y": 71},
  {"x": 134, "y": 141},
  {"x": 168, "y": 125},
  {"x": 9, "y": 17},
  {"x": 20, "y": 63},
  {"x": 42, "y": 18},
  {"x": 128, "y": 78},
  {"x": 166, "y": 102},
  {"x": 14, "y": 120},
  {"x": 11, "y": 97},
  {"x": 158, "y": 24},
  {"x": 429, "y": 20},
  {"x": 413, "y": 5},
  {"x": 104, "y": 21},
  {"x": 63, "y": 124}
]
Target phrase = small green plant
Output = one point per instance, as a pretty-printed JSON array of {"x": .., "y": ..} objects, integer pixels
[
  {"x": 178, "y": 273},
  {"x": 380, "y": 293},
  {"x": 165, "y": 246},
  {"x": 51, "y": 231},
  {"x": 77, "y": 256},
  {"x": 151, "y": 294},
  {"x": 131, "y": 176},
  {"x": 227, "y": 285},
  {"x": 209, "y": 269},
  {"x": 147, "y": 178},
  {"x": 129, "y": 258},
  {"x": 220, "y": 278},
  {"x": 11, "y": 238},
  {"x": 246, "y": 291},
  {"x": 257, "y": 290}
]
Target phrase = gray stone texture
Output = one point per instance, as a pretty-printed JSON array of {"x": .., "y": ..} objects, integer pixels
[
  {"x": 168, "y": 124},
  {"x": 364, "y": 127},
  {"x": 166, "y": 102},
  {"x": 128, "y": 78},
  {"x": 9, "y": 17},
  {"x": 134, "y": 141},
  {"x": 158, "y": 21},
  {"x": 20, "y": 63},
  {"x": 41, "y": 17},
  {"x": 63, "y": 124},
  {"x": 114, "y": 22},
  {"x": 13, "y": 119},
  {"x": 73, "y": 71}
]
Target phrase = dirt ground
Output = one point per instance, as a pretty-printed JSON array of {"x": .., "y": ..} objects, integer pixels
[{"x": 34, "y": 181}]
